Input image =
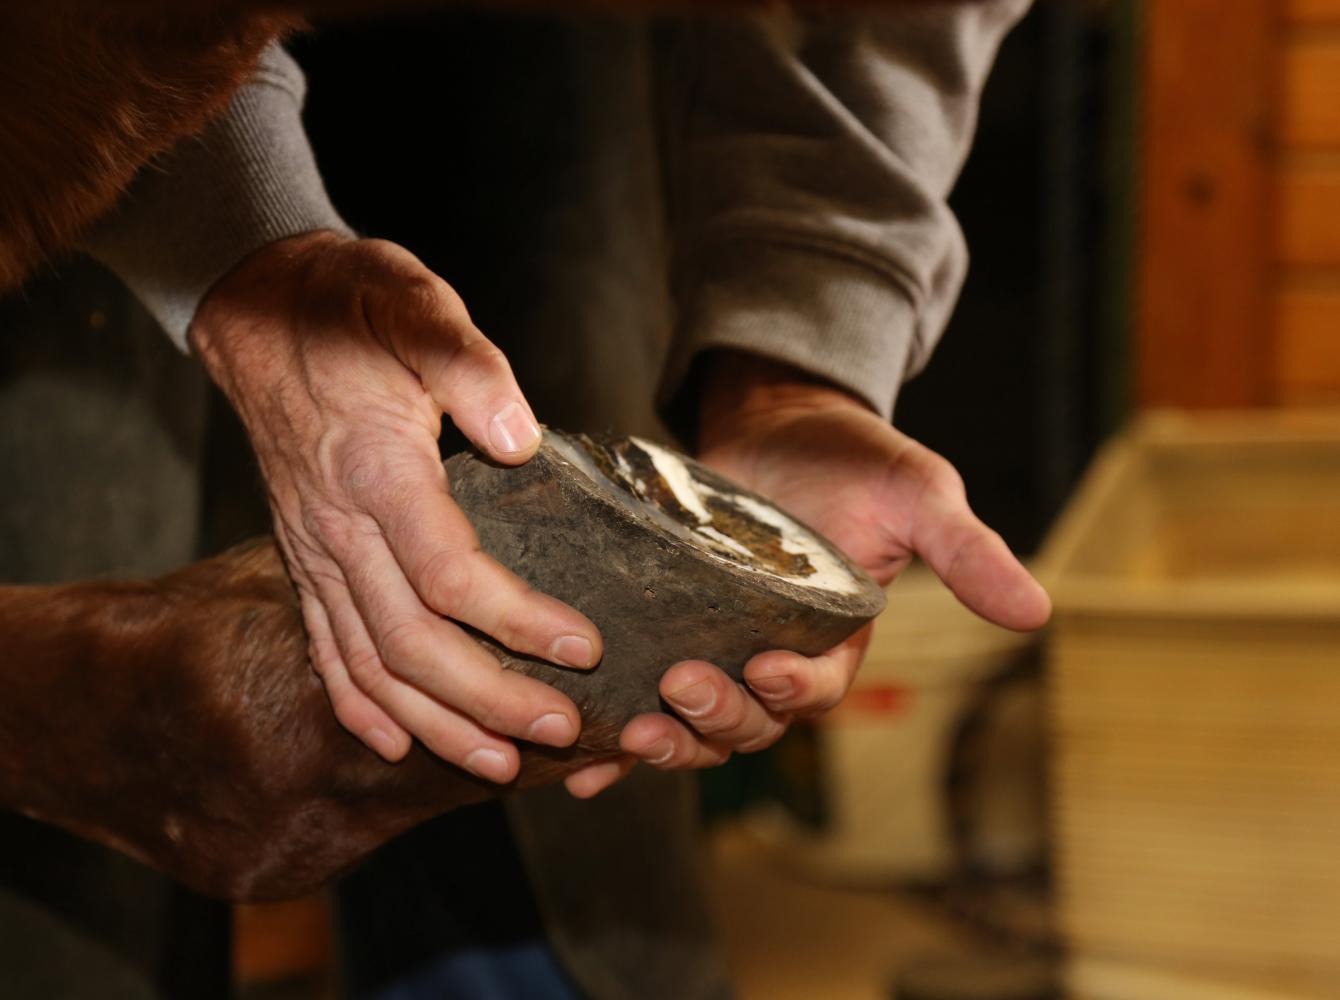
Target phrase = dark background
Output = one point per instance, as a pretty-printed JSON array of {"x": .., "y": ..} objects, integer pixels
[{"x": 476, "y": 140}]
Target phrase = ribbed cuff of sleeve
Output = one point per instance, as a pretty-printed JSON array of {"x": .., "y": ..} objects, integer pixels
[
  {"x": 827, "y": 315},
  {"x": 250, "y": 179}
]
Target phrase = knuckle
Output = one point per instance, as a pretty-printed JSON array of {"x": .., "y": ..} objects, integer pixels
[
  {"x": 487, "y": 357},
  {"x": 476, "y": 367},
  {"x": 530, "y": 621},
  {"x": 418, "y": 297},
  {"x": 441, "y": 739},
  {"x": 490, "y": 706},
  {"x": 421, "y": 301},
  {"x": 943, "y": 479},
  {"x": 446, "y": 580},
  {"x": 385, "y": 251},
  {"x": 367, "y": 672},
  {"x": 358, "y": 470},
  {"x": 401, "y": 646},
  {"x": 326, "y": 524}
]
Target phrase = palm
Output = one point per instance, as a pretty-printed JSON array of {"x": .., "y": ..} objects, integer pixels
[
  {"x": 842, "y": 471},
  {"x": 881, "y": 497}
]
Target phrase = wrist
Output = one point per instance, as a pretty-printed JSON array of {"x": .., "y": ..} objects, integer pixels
[
  {"x": 737, "y": 389},
  {"x": 256, "y": 289}
]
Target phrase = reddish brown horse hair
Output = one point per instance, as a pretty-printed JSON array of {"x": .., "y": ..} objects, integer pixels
[{"x": 91, "y": 93}]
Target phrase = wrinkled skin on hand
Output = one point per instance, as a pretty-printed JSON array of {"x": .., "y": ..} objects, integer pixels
[
  {"x": 825, "y": 457},
  {"x": 194, "y": 735},
  {"x": 341, "y": 357}
]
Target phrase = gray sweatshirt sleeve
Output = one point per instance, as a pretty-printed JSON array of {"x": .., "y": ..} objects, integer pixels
[
  {"x": 811, "y": 157},
  {"x": 249, "y": 179}
]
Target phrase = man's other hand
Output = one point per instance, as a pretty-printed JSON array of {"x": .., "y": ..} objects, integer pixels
[
  {"x": 881, "y": 497},
  {"x": 341, "y": 356}
]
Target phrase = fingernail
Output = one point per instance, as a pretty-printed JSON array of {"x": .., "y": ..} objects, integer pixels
[
  {"x": 554, "y": 729},
  {"x": 659, "y": 752},
  {"x": 776, "y": 686},
  {"x": 488, "y": 764},
  {"x": 572, "y": 651},
  {"x": 381, "y": 742},
  {"x": 512, "y": 430},
  {"x": 694, "y": 700}
]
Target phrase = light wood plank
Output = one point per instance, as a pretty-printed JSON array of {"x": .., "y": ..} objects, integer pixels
[
  {"x": 1308, "y": 348},
  {"x": 1309, "y": 398},
  {"x": 1310, "y": 92},
  {"x": 1205, "y": 203},
  {"x": 1307, "y": 223},
  {"x": 1306, "y": 12}
]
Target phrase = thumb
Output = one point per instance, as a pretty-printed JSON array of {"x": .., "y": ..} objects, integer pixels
[
  {"x": 477, "y": 390},
  {"x": 464, "y": 372},
  {"x": 975, "y": 563}
]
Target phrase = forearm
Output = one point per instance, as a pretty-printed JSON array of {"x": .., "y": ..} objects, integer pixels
[{"x": 811, "y": 158}]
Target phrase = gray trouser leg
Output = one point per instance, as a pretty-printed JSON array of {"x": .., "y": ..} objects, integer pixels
[
  {"x": 101, "y": 426},
  {"x": 558, "y": 249}
]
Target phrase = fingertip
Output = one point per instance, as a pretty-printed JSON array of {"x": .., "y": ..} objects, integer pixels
[
  {"x": 774, "y": 661},
  {"x": 643, "y": 730},
  {"x": 1045, "y": 606},
  {"x": 596, "y": 640},
  {"x": 576, "y": 651},
  {"x": 1012, "y": 596},
  {"x": 390, "y": 746},
  {"x": 1031, "y": 609},
  {"x": 592, "y": 780},
  {"x": 777, "y": 677},
  {"x": 656, "y": 739},
  {"x": 364, "y": 718},
  {"x": 499, "y": 766},
  {"x": 686, "y": 673},
  {"x": 555, "y": 729},
  {"x": 584, "y": 785},
  {"x": 513, "y": 434},
  {"x": 990, "y": 581}
]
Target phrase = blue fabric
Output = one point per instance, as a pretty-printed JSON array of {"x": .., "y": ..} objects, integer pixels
[
  {"x": 446, "y": 912},
  {"x": 527, "y": 971}
]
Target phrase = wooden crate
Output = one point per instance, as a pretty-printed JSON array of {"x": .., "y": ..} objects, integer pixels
[{"x": 1194, "y": 690}]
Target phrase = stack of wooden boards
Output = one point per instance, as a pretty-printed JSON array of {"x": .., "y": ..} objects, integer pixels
[
  {"x": 1238, "y": 239},
  {"x": 1305, "y": 168},
  {"x": 1194, "y": 685}
]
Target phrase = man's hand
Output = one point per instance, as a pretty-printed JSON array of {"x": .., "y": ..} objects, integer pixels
[
  {"x": 882, "y": 498},
  {"x": 341, "y": 356}
]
